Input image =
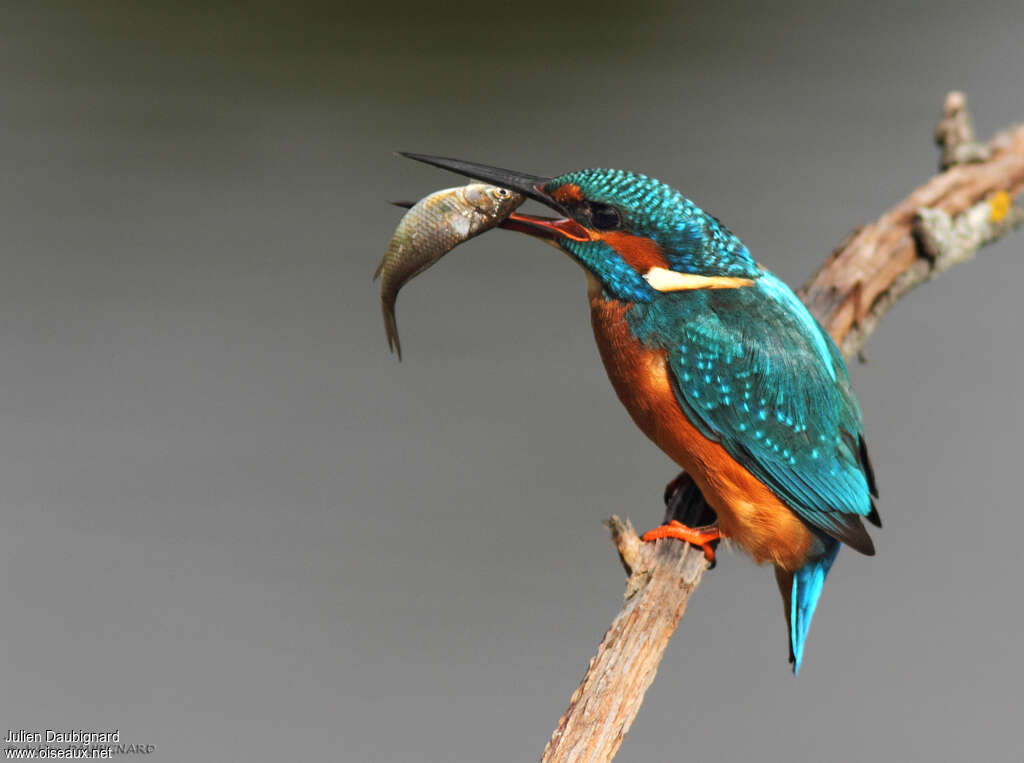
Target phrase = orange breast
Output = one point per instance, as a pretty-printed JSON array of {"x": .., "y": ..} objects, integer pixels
[{"x": 748, "y": 511}]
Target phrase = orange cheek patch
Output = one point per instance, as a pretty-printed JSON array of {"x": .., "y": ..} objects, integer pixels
[
  {"x": 640, "y": 253},
  {"x": 568, "y": 194}
]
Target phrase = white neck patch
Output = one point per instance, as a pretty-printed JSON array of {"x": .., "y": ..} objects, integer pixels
[{"x": 662, "y": 279}]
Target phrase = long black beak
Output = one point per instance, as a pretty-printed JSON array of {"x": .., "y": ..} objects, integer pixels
[{"x": 531, "y": 186}]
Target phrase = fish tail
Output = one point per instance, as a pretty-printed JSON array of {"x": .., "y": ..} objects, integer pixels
[
  {"x": 391, "y": 327},
  {"x": 802, "y": 596}
]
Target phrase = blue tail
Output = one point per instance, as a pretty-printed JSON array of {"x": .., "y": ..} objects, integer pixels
[{"x": 807, "y": 584}]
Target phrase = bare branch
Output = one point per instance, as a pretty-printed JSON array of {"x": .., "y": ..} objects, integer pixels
[
  {"x": 940, "y": 224},
  {"x": 603, "y": 707},
  {"x": 881, "y": 262}
]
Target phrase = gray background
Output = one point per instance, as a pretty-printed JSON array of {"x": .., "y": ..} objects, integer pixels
[{"x": 234, "y": 527}]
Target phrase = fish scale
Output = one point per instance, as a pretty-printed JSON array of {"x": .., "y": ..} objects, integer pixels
[{"x": 429, "y": 230}]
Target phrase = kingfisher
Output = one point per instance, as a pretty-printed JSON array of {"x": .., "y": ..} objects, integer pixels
[{"x": 721, "y": 365}]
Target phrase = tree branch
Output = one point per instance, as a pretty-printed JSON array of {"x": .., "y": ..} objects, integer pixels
[{"x": 940, "y": 224}]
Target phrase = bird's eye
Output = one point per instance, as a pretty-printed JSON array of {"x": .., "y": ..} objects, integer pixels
[{"x": 604, "y": 216}]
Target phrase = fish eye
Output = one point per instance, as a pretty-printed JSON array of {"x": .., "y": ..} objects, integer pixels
[
  {"x": 502, "y": 193},
  {"x": 604, "y": 216}
]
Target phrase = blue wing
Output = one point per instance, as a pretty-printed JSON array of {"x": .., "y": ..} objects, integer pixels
[{"x": 755, "y": 372}]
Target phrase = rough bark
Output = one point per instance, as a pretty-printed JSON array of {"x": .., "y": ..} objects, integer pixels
[{"x": 943, "y": 222}]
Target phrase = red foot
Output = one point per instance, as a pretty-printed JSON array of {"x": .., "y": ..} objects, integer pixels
[{"x": 700, "y": 536}]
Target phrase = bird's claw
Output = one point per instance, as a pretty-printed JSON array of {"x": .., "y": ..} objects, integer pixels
[{"x": 697, "y": 536}]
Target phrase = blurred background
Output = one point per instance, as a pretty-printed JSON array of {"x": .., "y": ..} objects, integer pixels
[{"x": 234, "y": 527}]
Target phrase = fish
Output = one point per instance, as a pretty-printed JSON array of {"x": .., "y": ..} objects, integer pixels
[{"x": 429, "y": 230}]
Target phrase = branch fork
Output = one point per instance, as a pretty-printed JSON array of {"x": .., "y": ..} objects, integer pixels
[{"x": 955, "y": 134}]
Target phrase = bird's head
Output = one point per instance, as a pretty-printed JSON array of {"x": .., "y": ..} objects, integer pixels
[{"x": 635, "y": 235}]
